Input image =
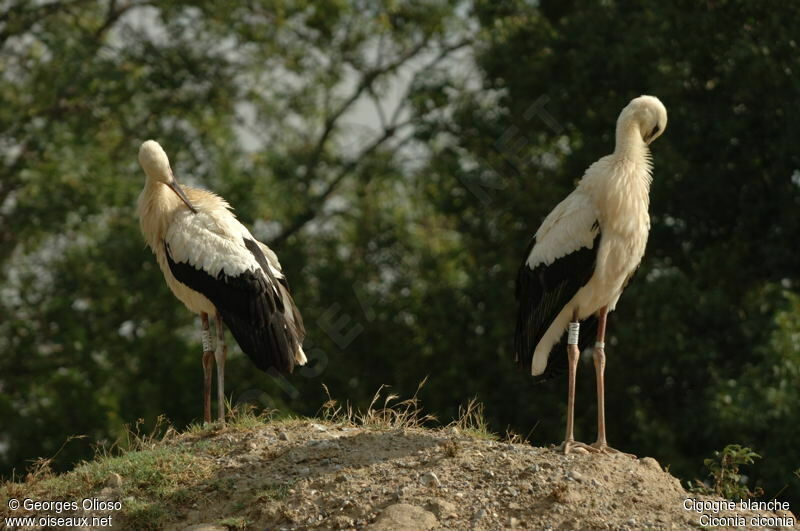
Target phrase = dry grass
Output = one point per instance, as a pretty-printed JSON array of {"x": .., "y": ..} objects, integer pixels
[
  {"x": 472, "y": 421},
  {"x": 388, "y": 415}
]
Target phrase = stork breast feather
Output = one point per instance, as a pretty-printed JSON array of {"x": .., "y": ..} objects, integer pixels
[{"x": 200, "y": 241}]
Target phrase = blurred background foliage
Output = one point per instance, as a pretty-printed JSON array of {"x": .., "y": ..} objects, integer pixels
[{"x": 398, "y": 156}]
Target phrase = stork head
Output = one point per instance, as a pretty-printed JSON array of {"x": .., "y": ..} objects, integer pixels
[
  {"x": 647, "y": 114},
  {"x": 155, "y": 163}
]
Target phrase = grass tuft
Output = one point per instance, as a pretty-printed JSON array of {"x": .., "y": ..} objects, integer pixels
[
  {"x": 271, "y": 492},
  {"x": 144, "y": 515},
  {"x": 472, "y": 421},
  {"x": 389, "y": 415},
  {"x": 235, "y": 522}
]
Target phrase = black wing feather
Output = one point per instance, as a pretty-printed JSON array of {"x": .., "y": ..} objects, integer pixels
[
  {"x": 250, "y": 306},
  {"x": 541, "y": 294},
  {"x": 296, "y": 328}
]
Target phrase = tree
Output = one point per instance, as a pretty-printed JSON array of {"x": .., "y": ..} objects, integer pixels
[
  {"x": 704, "y": 324},
  {"x": 253, "y": 102}
]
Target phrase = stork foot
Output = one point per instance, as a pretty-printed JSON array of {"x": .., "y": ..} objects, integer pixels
[
  {"x": 576, "y": 447},
  {"x": 604, "y": 448}
]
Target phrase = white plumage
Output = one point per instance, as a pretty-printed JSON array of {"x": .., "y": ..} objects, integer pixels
[
  {"x": 211, "y": 242},
  {"x": 589, "y": 246},
  {"x": 215, "y": 266}
]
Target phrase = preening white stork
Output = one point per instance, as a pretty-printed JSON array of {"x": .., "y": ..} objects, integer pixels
[
  {"x": 215, "y": 266},
  {"x": 583, "y": 256}
]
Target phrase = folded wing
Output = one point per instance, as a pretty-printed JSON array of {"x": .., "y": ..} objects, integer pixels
[
  {"x": 227, "y": 265},
  {"x": 559, "y": 261}
]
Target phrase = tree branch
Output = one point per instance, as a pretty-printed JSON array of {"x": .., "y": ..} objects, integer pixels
[
  {"x": 318, "y": 202},
  {"x": 442, "y": 55},
  {"x": 367, "y": 79}
]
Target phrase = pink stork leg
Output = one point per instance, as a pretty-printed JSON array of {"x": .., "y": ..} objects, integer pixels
[
  {"x": 208, "y": 361},
  {"x": 599, "y": 370},
  {"x": 573, "y": 353},
  {"x": 221, "y": 353}
]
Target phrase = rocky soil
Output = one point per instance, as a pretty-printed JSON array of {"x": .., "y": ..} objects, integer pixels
[
  {"x": 306, "y": 474},
  {"x": 345, "y": 478}
]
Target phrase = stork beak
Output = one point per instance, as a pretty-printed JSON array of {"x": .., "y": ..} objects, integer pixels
[
  {"x": 652, "y": 135},
  {"x": 173, "y": 184}
]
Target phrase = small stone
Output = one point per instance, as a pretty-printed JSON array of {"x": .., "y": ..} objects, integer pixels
[
  {"x": 651, "y": 463},
  {"x": 595, "y": 483},
  {"x": 341, "y": 522},
  {"x": 283, "y": 436},
  {"x": 430, "y": 479},
  {"x": 400, "y": 493},
  {"x": 575, "y": 475},
  {"x": 114, "y": 480},
  {"x": 404, "y": 516},
  {"x": 441, "y": 508},
  {"x": 479, "y": 515},
  {"x": 323, "y": 444},
  {"x": 318, "y": 427},
  {"x": 489, "y": 474},
  {"x": 632, "y": 521}
]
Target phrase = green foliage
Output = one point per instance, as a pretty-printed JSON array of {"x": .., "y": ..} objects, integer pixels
[
  {"x": 723, "y": 469},
  {"x": 144, "y": 515},
  {"x": 235, "y": 522}
]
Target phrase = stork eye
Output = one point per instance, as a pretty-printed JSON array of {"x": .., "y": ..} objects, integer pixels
[{"x": 656, "y": 129}]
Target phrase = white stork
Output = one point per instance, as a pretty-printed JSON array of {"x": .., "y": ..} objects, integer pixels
[
  {"x": 583, "y": 256},
  {"x": 215, "y": 266}
]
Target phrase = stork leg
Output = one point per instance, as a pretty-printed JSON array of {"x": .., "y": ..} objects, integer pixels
[
  {"x": 221, "y": 354},
  {"x": 599, "y": 356},
  {"x": 208, "y": 361},
  {"x": 573, "y": 353}
]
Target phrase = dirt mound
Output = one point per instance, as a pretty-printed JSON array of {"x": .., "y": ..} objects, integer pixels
[{"x": 307, "y": 474}]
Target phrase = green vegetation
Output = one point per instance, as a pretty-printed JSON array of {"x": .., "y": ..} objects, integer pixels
[
  {"x": 154, "y": 479},
  {"x": 723, "y": 469},
  {"x": 472, "y": 420},
  {"x": 398, "y": 156},
  {"x": 156, "y": 471},
  {"x": 234, "y": 522}
]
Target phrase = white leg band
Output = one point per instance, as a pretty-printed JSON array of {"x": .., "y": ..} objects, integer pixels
[
  {"x": 572, "y": 333},
  {"x": 600, "y": 344},
  {"x": 208, "y": 346}
]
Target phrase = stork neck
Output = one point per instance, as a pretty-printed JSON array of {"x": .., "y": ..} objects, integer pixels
[
  {"x": 160, "y": 192},
  {"x": 629, "y": 141},
  {"x": 156, "y": 204}
]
